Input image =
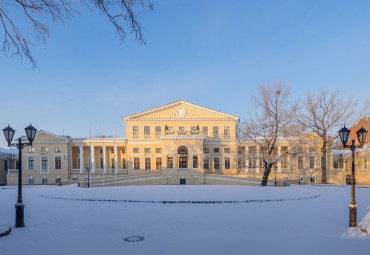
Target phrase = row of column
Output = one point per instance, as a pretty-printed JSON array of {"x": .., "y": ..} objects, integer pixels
[
  {"x": 93, "y": 164},
  {"x": 258, "y": 155}
]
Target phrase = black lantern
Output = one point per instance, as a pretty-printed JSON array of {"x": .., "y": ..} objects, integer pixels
[
  {"x": 361, "y": 135},
  {"x": 31, "y": 132},
  {"x": 344, "y": 135},
  {"x": 9, "y": 134}
]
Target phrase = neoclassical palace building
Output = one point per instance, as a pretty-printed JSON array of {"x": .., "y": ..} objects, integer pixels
[{"x": 177, "y": 143}]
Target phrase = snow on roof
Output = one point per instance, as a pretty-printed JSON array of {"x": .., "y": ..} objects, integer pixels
[{"x": 8, "y": 151}]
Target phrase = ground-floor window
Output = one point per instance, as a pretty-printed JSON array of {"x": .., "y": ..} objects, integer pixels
[
  {"x": 169, "y": 162},
  {"x": 58, "y": 180},
  {"x": 147, "y": 164},
  {"x": 158, "y": 163},
  {"x": 44, "y": 163},
  {"x": 312, "y": 162},
  {"x": 227, "y": 163},
  {"x": 31, "y": 181},
  {"x": 216, "y": 163},
  {"x": 136, "y": 163},
  {"x": 44, "y": 180},
  {"x": 206, "y": 163},
  {"x": 101, "y": 163},
  {"x": 58, "y": 162},
  {"x": 195, "y": 161},
  {"x": 123, "y": 163}
]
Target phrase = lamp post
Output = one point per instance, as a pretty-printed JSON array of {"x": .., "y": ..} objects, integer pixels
[
  {"x": 344, "y": 135},
  {"x": 9, "y": 134},
  {"x": 88, "y": 176}
]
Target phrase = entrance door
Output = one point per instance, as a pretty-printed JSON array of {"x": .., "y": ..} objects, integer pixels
[
  {"x": 182, "y": 181},
  {"x": 183, "y": 162}
]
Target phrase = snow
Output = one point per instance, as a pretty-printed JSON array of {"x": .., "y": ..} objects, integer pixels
[
  {"x": 8, "y": 151},
  {"x": 64, "y": 226}
]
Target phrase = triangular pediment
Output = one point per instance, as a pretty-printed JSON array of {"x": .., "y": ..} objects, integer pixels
[
  {"x": 43, "y": 135},
  {"x": 180, "y": 110}
]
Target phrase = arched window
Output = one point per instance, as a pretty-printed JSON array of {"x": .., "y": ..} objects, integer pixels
[{"x": 182, "y": 150}]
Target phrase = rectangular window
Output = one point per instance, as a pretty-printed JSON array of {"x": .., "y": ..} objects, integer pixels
[
  {"x": 364, "y": 164},
  {"x": 169, "y": 162},
  {"x": 31, "y": 163},
  {"x": 101, "y": 151},
  {"x": 195, "y": 161},
  {"x": 31, "y": 149},
  {"x": 312, "y": 162},
  {"x": 58, "y": 180},
  {"x": 215, "y": 132},
  {"x": 135, "y": 131},
  {"x": 58, "y": 149},
  {"x": 206, "y": 163},
  {"x": 300, "y": 162},
  {"x": 124, "y": 163},
  {"x": 146, "y": 131},
  {"x": 101, "y": 163},
  {"x": 147, "y": 150},
  {"x": 227, "y": 163},
  {"x": 44, "y": 181},
  {"x": 136, "y": 163},
  {"x": 216, "y": 163},
  {"x": 112, "y": 151},
  {"x": 241, "y": 150},
  {"x": 123, "y": 150},
  {"x": 158, "y": 131},
  {"x": 113, "y": 163},
  {"x": 147, "y": 164},
  {"x": 44, "y": 163},
  {"x": 58, "y": 163},
  {"x": 31, "y": 181},
  {"x": 205, "y": 150},
  {"x": 227, "y": 131},
  {"x": 158, "y": 150},
  {"x": 136, "y": 150},
  {"x": 216, "y": 150},
  {"x": 226, "y": 150},
  {"x": 158, "y": 163},
  {"x": 44, "y": 149},
  {"x": 205, "y": 131}
]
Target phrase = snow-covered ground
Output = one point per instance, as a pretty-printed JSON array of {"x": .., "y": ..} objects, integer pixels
[{"x": 64, "y": 226}]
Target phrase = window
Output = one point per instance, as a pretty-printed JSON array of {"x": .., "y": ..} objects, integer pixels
[
  {"x": 158, "y": 131},
  {"x": 58, "y": 162},
  {"x": 74, "y": 178},
  {"x": 215, "y": 132},
  {"x": 135, "y": 131},
  {"x": 158, "y": 163},
  {"x": 364, "y": 166},
  {"x": 31, "y": 163},
  {"x": 123, "y": 150},
  {"x": 58, "y": 180},
  {"x": 241, "y": 150},
  {"x": 181, "y": 131},
  {"x": 205, "y": 131},
  {"x": 58, "y": 149},
  {"x": 136, "y": 163},
  {"x": 216, "y": 163},
  {"x": 44, "y": 181},
  {"x": 44, "y": 163},
  {"x": 195, "y": 161},
  {"x": 124, "y": 163},
  {"x": 206, "y": 163},
  {"x": 147, "y": 150},
  {"x": 252, "y": 150},
  {"x": 147, "y": 164},
  {"x": 205, "y": 150},
  {"x": 101, "y": 151},
  {"x": 227, "y": 131},
  {"x": 227, "y": 162},
  {"x": 6, "y": 165},
  {"x": 101, "y": 163},
  {"x": 112, "y": 151},
  {"x": 169, "y": 162},
  {"x": 312, "y": 162},
  {"x": 300, "y": 162},
  {"x": 226, "y": 150},
  {"x": 44, "y": 149},
  {"x": 216, "y": 150},
  {"x": 112, "y": 163},
  {"x": 146, "y": 131},
  {"x": 158, "y": 150},
  {"x": 31, "y": 149},
  {"x": 136, "y": 150},
  {"x": 31, "y": 181}
]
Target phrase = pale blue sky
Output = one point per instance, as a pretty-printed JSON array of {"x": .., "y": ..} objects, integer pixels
[{"x": 209, "y": 52}]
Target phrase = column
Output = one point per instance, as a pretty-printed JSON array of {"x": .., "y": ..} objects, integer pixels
[
  {"x": 115, "y": 159},
  {"x": 175, "y": 161},
  {"x": 92, "y": 159},
  {"x": 104, "y": 159},
  {"x": 247, "y": 159},
  {"x": 82, "y": 159},
  {"x": 279, "y": 163}
]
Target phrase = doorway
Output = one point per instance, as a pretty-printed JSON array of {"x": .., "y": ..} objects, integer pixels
[
  {"x": 182, "y": 181},
  {"x": 183, "y": 162}
]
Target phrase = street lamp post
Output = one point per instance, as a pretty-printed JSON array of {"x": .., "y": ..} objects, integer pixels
[
  {"x": 344, "y": 135},
  {"x": 9, "y": 134},
  {"x": 88, "y": 176}
]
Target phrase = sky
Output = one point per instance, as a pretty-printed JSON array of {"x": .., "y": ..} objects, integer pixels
[{"x": 208, "y": 52}]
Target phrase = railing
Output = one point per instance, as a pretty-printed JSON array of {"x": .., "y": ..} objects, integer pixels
[{"x": 75, "y": 171}]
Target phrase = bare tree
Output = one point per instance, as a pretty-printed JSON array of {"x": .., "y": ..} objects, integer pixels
[
  {"x": 324, "y": 114},
  {"x": 270, "y": 123},
  {"x": 121, "y": 13}
]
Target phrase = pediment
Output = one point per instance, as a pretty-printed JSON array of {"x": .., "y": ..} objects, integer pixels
[
  {"x": 180, "y": 110},
  {"x": 43, "y": 135}
]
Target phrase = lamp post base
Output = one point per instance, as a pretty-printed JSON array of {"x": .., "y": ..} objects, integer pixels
[
  {"x": 353, "y": 215},
  {"x": 19, "y": 215}
]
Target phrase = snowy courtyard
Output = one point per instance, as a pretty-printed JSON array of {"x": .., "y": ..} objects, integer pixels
[{"x": 184, "y": 220}]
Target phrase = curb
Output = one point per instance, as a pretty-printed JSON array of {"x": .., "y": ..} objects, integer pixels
[{"x": 6, "y": 230}]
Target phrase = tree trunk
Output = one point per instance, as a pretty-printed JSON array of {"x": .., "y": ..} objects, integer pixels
[
  {"x": 323, "y": 160},
  {"x": 266, "y": 174}
]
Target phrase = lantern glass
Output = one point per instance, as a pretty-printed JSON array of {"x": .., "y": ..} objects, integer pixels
[
  {"x": 344, "y": 135},
  {"x": 9, "y": 134},
  {"x": 31, "y": 132},
  {"x": 361, "y": 135}
]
